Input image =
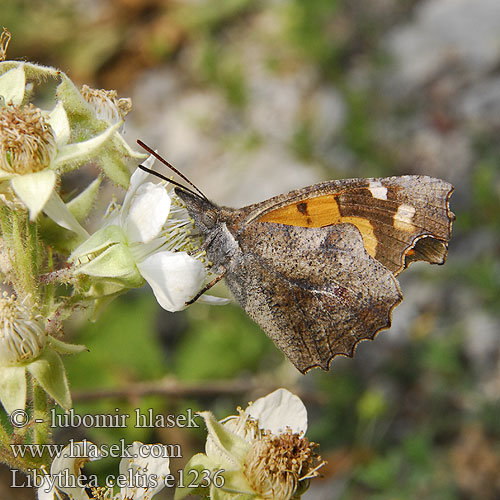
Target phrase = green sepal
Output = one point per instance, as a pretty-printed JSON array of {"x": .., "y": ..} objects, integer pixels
[
  {"x": 32, "y": 71},
  {"x": 224, "y": 494},
  {"x": 77, "y": 108},
  {"x": 114, "y": 166},
  {"x": 49, "y": 372},
  {"x": 102, "y": 301},
  {"x": 65, "y": 348},
  {"x": 73, "y": 155},
  {"x": 13, "y": 387},
  {"x": 234, "y": 482},
  {"x": 81, "y": 205},
  {"x": 113, "y": 157},
  {"x": 232, "y": 448},
  {"x": 198, "y": 462},
  {"x": 97, "y": 242},
  {"x": 114, "y": 262},
  {"x": 59, "y": 238}
]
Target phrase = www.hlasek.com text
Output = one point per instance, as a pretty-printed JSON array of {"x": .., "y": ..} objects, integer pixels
[{"x": 86, "y": 449}]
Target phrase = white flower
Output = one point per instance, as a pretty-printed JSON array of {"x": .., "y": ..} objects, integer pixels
[
  {"x": 147, "y": 239},
  {"x": 140, "y": 478},
  {"x": 262, "y": 451},
  {"x": 35, "y": 148}
]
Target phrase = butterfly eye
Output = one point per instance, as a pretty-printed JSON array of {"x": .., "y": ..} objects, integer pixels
[{"x": 209, "y": 219}]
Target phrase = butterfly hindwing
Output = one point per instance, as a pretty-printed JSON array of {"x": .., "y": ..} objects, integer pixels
[{"x": 308, "y": 289}]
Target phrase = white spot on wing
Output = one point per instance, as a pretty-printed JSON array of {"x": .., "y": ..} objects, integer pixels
[
  {"x": 403, "y": 218},
  {"x": 377, "y": 190}
]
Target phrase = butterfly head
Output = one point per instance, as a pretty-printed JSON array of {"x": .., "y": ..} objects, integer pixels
[{"x": 204, "y": 213}]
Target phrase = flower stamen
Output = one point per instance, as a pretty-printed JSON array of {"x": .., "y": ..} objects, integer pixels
[
  {"x": 22, "y": 333},
  {"x": 27, "y": 141},
  {"x": 276, "y": 463},
  {"x": 106, "y": 104}
]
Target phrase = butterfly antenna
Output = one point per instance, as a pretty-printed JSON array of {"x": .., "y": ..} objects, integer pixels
[
  {"x": 171, "y": 167},
  {"x": 165, "y": 178}
]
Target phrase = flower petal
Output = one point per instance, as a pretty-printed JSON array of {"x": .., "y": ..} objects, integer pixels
[
  {"x": 175, "y": 278},
  {"x": 139, "y": 466},
  {"x": 148, "y": 212},
  {"x": 46, "y": 490},
  {"x": 58, "y": 120},
  {"x": 13, "y": 388},
  {"x": 137, "y": 179},
  {"x": 13, "y": 85},
  {"x": 56, "y": 209},
  {"x": 34, "y": 189},
  {"x": 71, "y": 459},
  {"x": 279, "y": 410}
]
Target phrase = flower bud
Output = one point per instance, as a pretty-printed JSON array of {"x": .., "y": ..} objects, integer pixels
[{"x": 106, "y": 104}]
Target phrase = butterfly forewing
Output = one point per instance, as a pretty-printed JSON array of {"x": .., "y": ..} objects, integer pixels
[{"x": 393, "y": 215}]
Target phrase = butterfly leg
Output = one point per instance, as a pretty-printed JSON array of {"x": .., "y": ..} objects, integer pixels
[{"x": 206, "y": 288}]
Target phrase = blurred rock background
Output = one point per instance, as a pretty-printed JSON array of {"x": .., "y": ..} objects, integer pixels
[{"x": 251, "y": 99}]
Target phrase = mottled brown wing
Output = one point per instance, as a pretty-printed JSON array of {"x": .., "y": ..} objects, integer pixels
[
  {"x": 315, "y": 291},
  {"x": 401, "y": 219}
]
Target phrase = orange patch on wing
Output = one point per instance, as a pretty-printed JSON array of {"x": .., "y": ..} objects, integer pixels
[{"x": 320, "y": 212}]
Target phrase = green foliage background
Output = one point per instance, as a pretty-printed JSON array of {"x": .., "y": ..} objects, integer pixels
[{"x": 415, "y": 416}]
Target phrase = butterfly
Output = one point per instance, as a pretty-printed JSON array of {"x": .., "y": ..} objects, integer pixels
[{"x": 316, "y": 268}]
